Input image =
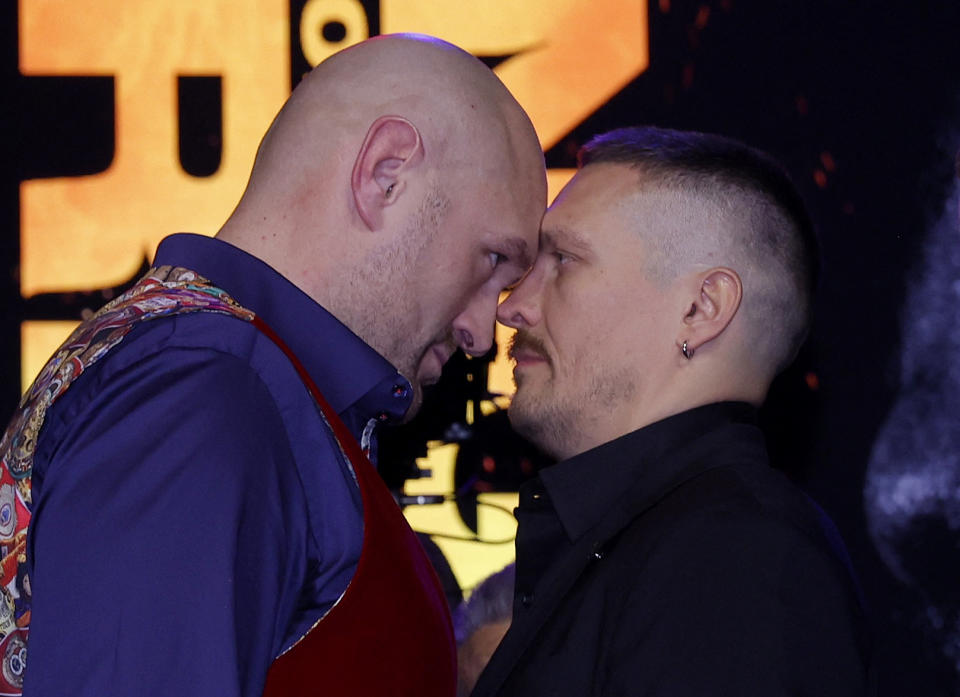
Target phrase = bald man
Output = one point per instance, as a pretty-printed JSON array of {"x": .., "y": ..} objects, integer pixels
[
  {"x": 203, "y": 519},
  {"x": 663, "y": 556}
]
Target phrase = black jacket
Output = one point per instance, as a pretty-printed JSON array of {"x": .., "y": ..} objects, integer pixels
[{"x": 675, "y": 561}]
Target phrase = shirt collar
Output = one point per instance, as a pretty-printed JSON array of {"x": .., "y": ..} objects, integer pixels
[
  {"x": 583, "y": 488},
  {"x": 358, "y": 382}
]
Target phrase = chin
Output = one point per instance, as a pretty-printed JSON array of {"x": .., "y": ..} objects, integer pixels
[
  {"x": 527, "y": 424},
  {"x": 547, "y": 426}
]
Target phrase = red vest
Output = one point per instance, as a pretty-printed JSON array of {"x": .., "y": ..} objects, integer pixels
[{"x": 390, "y": 633}]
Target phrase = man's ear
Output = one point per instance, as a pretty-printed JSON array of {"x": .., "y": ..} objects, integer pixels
[
  {"x": 716, "y": 301},
  {"x": 391, "y": 148}
]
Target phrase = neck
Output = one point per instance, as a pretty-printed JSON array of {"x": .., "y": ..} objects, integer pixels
[{"x": 273, "y": 240}]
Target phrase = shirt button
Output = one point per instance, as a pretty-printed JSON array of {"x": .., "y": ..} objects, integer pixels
[
  {"x": 399, "y": 391},
  {"x": 383, "y": 416}
]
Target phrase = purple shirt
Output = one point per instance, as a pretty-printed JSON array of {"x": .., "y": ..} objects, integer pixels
[{"x": 192, "y": 515}]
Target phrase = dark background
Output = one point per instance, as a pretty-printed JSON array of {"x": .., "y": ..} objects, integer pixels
[{"x": 860, "y": 101}]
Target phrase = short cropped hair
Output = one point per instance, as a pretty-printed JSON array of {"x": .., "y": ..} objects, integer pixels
[{"x": 774, "y": 233}]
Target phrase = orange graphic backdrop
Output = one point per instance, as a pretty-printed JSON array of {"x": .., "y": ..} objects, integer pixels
[{"x": 567, "y": 58}]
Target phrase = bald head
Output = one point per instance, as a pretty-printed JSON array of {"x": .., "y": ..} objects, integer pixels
[
  {"x": 453, "y": 99},
  {"x": 396, "y": 167}
]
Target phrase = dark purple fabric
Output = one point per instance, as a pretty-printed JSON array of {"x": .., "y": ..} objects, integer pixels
[{"x": 192, "y": 514}]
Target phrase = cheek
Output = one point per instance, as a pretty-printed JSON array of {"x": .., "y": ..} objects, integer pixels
[
  {"x": 595, "y": 323},
  {"x": 486, "y": 289},
  {"x": 472, "y": 278},
  {"x": 574, "y": 334},
  {"x": 468, "y": 304},
  {"x": 580, "y": 304}
]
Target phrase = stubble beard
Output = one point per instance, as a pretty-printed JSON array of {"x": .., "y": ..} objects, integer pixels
[
  {"x": 545, "y": 422},
  {"x": 537, "y": 411},
  {"x": 565, "y": 424},
  {"x": 393, "y": 297}
]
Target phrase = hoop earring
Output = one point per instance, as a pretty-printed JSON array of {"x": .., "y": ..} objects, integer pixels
[{"x": 687, "y": 352}]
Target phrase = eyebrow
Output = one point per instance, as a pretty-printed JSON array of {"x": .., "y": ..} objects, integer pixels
[
  {"x": 517, "y": 252},
  {"x": 565, "y": 237}
]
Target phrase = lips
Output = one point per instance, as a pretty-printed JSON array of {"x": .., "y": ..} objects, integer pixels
[{"x": 527, "y": 357}]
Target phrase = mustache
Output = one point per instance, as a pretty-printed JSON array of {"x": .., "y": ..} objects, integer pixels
[{"x": 524, "y": 342}]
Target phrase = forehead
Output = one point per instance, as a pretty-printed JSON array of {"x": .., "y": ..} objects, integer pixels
[
  {"x": 508, "y": 210},
  {"x": 605, "y": 183},
  {"x": 599, "y": 199},
  {"x": 618, "y": 203}
]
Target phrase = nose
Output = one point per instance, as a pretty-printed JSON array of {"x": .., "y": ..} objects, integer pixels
[
  {"x": 473, "y": 328},
  {"x": 521, "y": 309}
]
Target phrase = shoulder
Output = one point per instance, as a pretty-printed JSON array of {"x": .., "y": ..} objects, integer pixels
[
  {"x": 198, "y": 360},
  {"x": 163, "y": 387},
  {"x": 207, "y": 384},
  {"x": 737, "y": 527},
  {"x": 204, "y": 388},
  {"x": 198, "y": 337},
  {"x": 750, "y": 577}
]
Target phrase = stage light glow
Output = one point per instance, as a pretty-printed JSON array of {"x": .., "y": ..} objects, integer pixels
[
  {"x": 318, "y": 14},
  {"x": 94, "y": 231},
  {"x": 562, "y": 59}
]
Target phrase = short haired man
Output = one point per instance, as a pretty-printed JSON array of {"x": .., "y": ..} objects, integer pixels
[
  {"x": 663, "y": 556},
  {"x": 200, "y": 503}
]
